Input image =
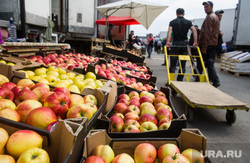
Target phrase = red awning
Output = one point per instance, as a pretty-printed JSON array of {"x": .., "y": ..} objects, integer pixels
[{"x": 117, "y": 20}]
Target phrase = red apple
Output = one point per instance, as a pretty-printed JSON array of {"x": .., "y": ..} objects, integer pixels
[
  {"x": 125, "y": 96},
  {"x": 10, "y": 114},
  {"x": 92, "y": 106},
  {"x": 4, "y": 104},
  {"x": 134, "y": 102},
  {"x": 146, "y": 99},
  {"x": 131, "y": 129},
  {"x": 137, "y": 98},
  {"x": 116, "y": 124},
  {"x": 123, "y": 101},
  {"x": 164, "y": 107},
  {"x": 59, "y": 103},
  {"x": 8, "y": 85},
  {"x": 161, "y": 99},
  {"x": 175, "y": 157},
  {"x": 133, "y": 108},
  {"x": 40, "y": 91},
  {"x": 80, "y": 110},
  {"x": 131, "y": 115},
  {"x": 158, "y": 105},
  {"x": 167, "y": 149},
  {"x": 26, "y": 82},
  {"x": 75, "y": 99},
  {"x": 90, "y": 98},
  {"x": 6, "y": 94},
  {"x": 164, "y": 113},
  {"x": 123, "y": 158},
  {"x": 94, "y": 159},
  {"x": 145, "y": 152},
  {"x": 16, "y": 89},
  {"x": 164, "y": 120},
  {"x": 159, "y": 93},
  {"x": 40, "y": 85},
  {"x": 44, "y": 97},
  {"x": 147, "y": 117},
  {"x": 41, "y": 117},
  {"x": 62, "y": 90},
  {"x": 24, "y": 108},
  {"x": 24, "y": 95},
  {"x": 104, "y": 151},
  {"x": 120, "y": 108},
  {"x": 51, "y": 126},
  {"x": 119, "y": 115},
  {"x": 132, "y": 94},
  {"x": 132, "y": 122}
]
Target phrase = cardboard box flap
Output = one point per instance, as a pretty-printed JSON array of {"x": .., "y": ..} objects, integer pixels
[{"x": 192, "y": 138}]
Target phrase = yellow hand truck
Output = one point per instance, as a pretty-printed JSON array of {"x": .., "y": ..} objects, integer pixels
[{"x": 202, "y": 94}]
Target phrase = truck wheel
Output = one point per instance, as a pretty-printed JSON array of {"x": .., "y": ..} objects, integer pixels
[{"x": 230, "y": 116}]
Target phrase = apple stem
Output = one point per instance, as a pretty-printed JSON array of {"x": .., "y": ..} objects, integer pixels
[
  {"x": 34, "y": 157},
  {"x": 174, "y": 156}
]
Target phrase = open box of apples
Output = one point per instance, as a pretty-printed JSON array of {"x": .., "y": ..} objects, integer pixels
[
  {"x": 142, "y": 114},
  {"x": 189, "y": 146}
]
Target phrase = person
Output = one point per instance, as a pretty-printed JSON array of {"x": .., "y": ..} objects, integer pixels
[
  {"x": 208, "y": 41},
  {"x": 179, "y": 27},
  {"x": 150, "y": 44},
  {"x": 220, "y": 40},
  {"x": 130, "y": 40},
  {"x": 159, "y": 46},
  {"x": 110, "y": 36},
  {"x": 136, "y": 40}
]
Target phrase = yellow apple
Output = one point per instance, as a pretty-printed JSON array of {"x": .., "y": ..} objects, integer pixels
[
  {"x": 91, "y": 75},
  {"x": 80, "y": 76},
  {"x": 59, "y": 85},
  {"x": 99, "y": 84},
  {"x": 40, "y": 71},
  {"x": 43, "y": 81},
  {"x": 34, "y": 155},
  {"x": 26, "y": 82},
  {"x": 5, "y": 103},
  {"x": 11, "y": 64},
  {"x": 66, "y": 82},
  {"x": 22, "y": 141},
  {"x": 75, "y": 99},
  {"x": 6, "y": 159},
  {"x": 36, "y": 78},
  {"x": 61, "y": 71},
  {"x": 104, "y": 151},
  {"x": 54, "y": 73},
  {"x": 43, "y": 76},
  {"x": 78, "y": 83},
  {"x": 3, "y": 79},
  {"x": 70, "y": 81},
  {"x": 63, "y": 76},
  {"x": 74, "y": 88},
  {"x": 52, "y": 68},
  {"x": 2, "y": 61},
  {"x": 51, "y": 79},
  {"x": 4, "y": 136},
  {"x": 71, "y": 75},
  {"x": 30, "y": 74}
]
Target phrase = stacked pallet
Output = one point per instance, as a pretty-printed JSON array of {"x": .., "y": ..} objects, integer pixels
[{"x": 236, "y": 62}]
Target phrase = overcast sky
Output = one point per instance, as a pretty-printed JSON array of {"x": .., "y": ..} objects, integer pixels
[{"x": 193, "y": 9}]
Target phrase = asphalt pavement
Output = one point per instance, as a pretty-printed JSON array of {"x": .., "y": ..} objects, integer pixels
[{"x": 225, "y": 143}]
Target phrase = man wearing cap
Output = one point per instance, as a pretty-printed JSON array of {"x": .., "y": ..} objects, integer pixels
[
  {"x": 110, "y": 36},
  {"x": 208, "y": 41},
  {"x": 220, "y": 40}
]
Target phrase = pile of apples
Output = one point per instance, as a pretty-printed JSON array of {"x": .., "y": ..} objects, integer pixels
[
  {"x": 58, "y": 77},
  {"x": 110, "y": 73},
  {"x": 141, "y": 113},
  {"x": 113, "y": 47},
  {"x": 146, "y": 153},
  {"x": 138, "y": 74},
  {"x": 6, "y": 63},
  {"x": 25, "y": 146},
  {"x": 130, "y": 65},
  {"x": 134, "y": 53},
  {"x": 66, "y": 61},
  {"x": 36, "y": 105}
]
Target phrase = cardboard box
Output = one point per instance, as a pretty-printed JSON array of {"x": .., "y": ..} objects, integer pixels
[
  {"x": 178, "y": 123},
  {"x": 63, "y": 144},
  {"x": 189, "y": 138}
]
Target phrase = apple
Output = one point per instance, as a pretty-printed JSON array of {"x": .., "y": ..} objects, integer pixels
[
  {"x": 131, "y": 129},
  {"x": 41, "y": 117},
  {"x": 23, "y": 140},
  {"x": 24, "y": 108},
  {"x": 74, "y": 88},
  {"x": 120, "y": 108},
  {"x": 36, "y": 78},
  {"x": 143, "y": 93},
  {"x": 80, "y": 110},
  {"x": 16, "y": 89},
  {"x": 116, "y": 124},
  {"x": 40, "y": 71},
  {"x": 4, "y": 136},
  {"x": 146, "y": 99},
  {"x": 104, "y": 151},
  {"x": 94, "y": 159},
  {"x": 5, "y": 103},
  {"x": 34, "y": 155},
  {"x": 90, "y": 98},
  {"x": 148, "y": 110},
  {"x": 75, "y": 99},
  {"x": 137, "y": 98},
  {"x": 148, "y": 126},
  {"x": 175, "y": 158},
  {"x": 164, "y": 120},
  {"x": 51, "y": 79},
  {"x": 131, "y": 115},
  {"x": 134, "y": 102},
  {"x": 52, "y": 68},
  {"x": 24, "y": 95},
  {"x": 161, "y": 99},
  {"x": 164, "y": 107},
  {"x": 193, "y": 155},
  {"x": 71, "y": 75},
  {"x": 44, "y": 97},
  {"x": 164, "y": 113},
  {"x": 26, "y": 82},
  {"x": 54, "y": 73},
  {"x": 63, "y": 90},
  {"x": 40, "y": 91},
  {"x": 132, "y": 94},
  {"x": 91, "y": 75},
  {"x": 51, "y": 126},
  {"x": 6, "y": 94},
  {"x": 92, "y": 106},
  {"x": 125, "y": 96},
  {"x": 167, "y": 149},
  {"x": 146, "y": 105},
  {"x": 123, "y": 158},
  {"x": 42, "y": 80},
  {"x": 59, "y": 103},
  {"x": 164, "y": 126},
  {"x": 10, "y": 114},
  {"x": 8, "y": 85},
  {"x": 119, "y": 115},
  {"x": 6, "y": 159},
  {"x": 147, "y": 117},
  {"x": 159, "y": 93},
  {"x": 134, "y": 109},
  {"x": 145, "y": 152},
  {"x": 40, "y": 85},
  {"x": 132, "y": 122},
  {"x": 123, "y": 101},
  {"x": 3, "y": 79}
]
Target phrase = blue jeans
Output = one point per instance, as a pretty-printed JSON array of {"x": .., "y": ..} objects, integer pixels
[{"x": 149, "y": 51}]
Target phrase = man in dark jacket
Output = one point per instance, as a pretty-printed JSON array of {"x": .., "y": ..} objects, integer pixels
[
  {"x": 208, "y": 41},
  {"x": 220, "y": 40}
]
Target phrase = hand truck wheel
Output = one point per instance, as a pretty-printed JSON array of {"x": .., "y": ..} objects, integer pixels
[
  {"x": 189, "y": 112},
  {"x": 230, "y": 116}
]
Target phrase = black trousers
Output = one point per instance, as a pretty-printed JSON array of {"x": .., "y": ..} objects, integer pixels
[{"x": 208, "y": 59}]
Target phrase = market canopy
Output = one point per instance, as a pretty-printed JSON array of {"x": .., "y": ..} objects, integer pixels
[
  {"x": 143, "y": 11},
  {"x": 117, "y": 20}
]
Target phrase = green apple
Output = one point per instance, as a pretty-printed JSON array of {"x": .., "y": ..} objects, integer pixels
[
  {"x": 51, "y": 79},
  {"x": 55, "y": 73},
  {"x": 91, "y": 75},
  {"x": 34, "y": 155},
  {"x": 78, "y": 83},
  {"x": 40, "y": 71}
]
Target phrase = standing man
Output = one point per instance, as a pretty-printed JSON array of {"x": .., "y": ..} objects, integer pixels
[
  {"x": 110, "y": 36},
  {"x": 131, "y": 40},
  {"x": 208, "y": 41},
  {"x": 220, "y": 40},
  {"x": 179, "y": 27},
  {"x": 150, "y": 44}
]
